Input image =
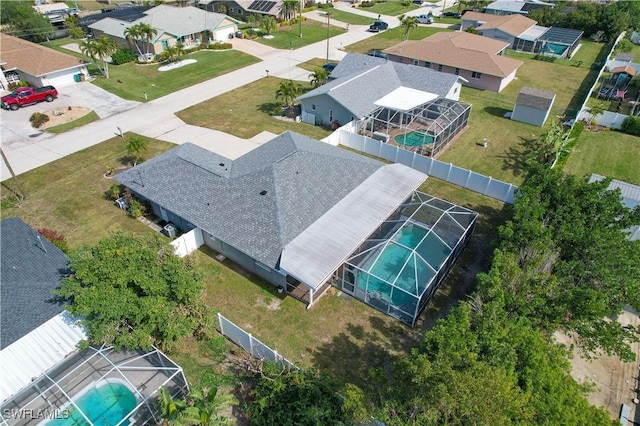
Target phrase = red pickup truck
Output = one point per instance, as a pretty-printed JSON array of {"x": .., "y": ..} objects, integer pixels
[{"x": 26, "y": 95}]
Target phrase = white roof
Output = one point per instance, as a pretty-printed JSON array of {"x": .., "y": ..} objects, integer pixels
[
  {"x": 630, "y": 198},
  {"x": 111, "y": 26},
  {"x": 533, "y": 33},
  {"x": 37, "y": 352},
  {"x": 51, "y": 7},
  {"x": 325, "y": 245},
  {"x": 405, "y": 98}
]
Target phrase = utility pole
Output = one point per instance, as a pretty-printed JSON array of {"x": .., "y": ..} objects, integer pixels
[
  {"x": 300, "y": 16},
  {"x": 328, "y": 22}
]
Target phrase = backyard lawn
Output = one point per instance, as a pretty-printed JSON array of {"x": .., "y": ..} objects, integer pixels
[
  {"x": 390, "y": 7},
  {"x": 289, "y": 37},
  {"x": 130, "y": 81},
  {"x": 247, "y": 111},
  {"x": 340, "y": 335},
  {"x": 608, "y": 153}
]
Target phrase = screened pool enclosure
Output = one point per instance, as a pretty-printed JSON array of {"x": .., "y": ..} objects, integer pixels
[
  {"x": 425, "y": 129},
  {"x": 401, "y": 265},
  {"x": 97, "y": 386}
]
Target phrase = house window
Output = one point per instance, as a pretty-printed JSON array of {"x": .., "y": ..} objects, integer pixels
[
  {"x": 416, "y": 62},
  {"x": 476, "y": 74},
  {"x": 427, "y": 64},
  {"x": 181, "y": 39},
  {"x": 231, "y": 10},
  {"x": 313, "y": 107},
  {"x": 351, "y": 119},
  {"x": 440, "y": 68},
  {"x": 240, "y": 11},
  {"x": 457, "y": 71},
  {"x": 164, "y": 44},
  {"x": 330, "y": 116}
]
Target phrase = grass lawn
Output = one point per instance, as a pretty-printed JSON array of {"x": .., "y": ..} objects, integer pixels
[
  {"x": 350, "y": 18},
  {"x": 68, "y": 195},
  {"x": 313, "y": 64},
  {"x": 390, "y": 7},
  {"x": 289, "y": 37},
  {"x": 608, "y": 153},
  {"x": 130, "y": 81},
  {"x": 391, "y": 37},
  {"x": 86, "y": 119},
  {"x": 247, "y": 111},
  {"x": 502, "y": 158}
]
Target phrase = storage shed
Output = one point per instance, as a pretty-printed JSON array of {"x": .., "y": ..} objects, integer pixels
[{"x": 533, "y": 106}]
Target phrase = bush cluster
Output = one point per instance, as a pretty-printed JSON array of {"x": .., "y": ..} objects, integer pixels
[
  {"x": 545, "y": 58},
  {"x": 17, "y": 84},
  {"x": 123, "y": 56},
  {"x": 37, "y": 119},
  {"x": 55, "y": 238},
  {"x": 631, "y": 125}
]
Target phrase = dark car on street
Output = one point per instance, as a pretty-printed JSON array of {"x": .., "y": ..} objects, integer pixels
[
  {"x": 451, "y": 14},
  {"x": 378, "y": 26}
]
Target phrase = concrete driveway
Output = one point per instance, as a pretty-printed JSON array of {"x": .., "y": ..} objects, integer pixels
[{"x": 17, "y": 131}]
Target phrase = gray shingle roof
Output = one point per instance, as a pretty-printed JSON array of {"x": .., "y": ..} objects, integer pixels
[
  {"x": 535, "y": 98},
  {"x": 361, "y": 80},
  {"x": 303, "y": 178},
  {"x": 30, "y": 268},
  {"x": 181, "y": 21}
]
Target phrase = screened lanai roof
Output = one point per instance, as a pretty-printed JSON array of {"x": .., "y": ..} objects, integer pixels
[
  {"x": 400, "y": 265},
  {"x": 318, "y": 251},
  {"x": 561, "y": 36},
  {"x": 128, "y": 382}
]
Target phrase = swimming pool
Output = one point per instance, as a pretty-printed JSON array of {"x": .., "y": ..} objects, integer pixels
[
  {"x": 413, "y": 139},
  {"x": 556, "y": 49},
  {"x": 408, "y": 261},
  {"x": 105, "y": 403}
]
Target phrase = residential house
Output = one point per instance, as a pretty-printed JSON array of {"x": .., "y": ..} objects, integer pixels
[
  {"x": 22, "y": 60},
  {"x": 523, "y": 34},
  {"x": 478, "y": 60},
  {"x": 533, "y": 106},
  {"x": 630, "y": 198},
  {"x": 173, "y": 25},
  {"x": 513, "y": 7},
  {"x": 360, "y": 81},
  {"x": 242, "y": 9},
  {"x": 37, "y": 332},
  {"x": 294, "y": 209}
]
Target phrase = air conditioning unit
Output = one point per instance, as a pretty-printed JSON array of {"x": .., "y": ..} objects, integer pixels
[
  {"x": 123, "y": 203},
  {"x": 170, "y": 230}
]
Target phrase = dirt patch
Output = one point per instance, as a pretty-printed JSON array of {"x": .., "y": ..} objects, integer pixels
[
  {"x": 272, "y": 304},
  {"x": 64, "y": 115},
  {"x": 615, "y": 381}
]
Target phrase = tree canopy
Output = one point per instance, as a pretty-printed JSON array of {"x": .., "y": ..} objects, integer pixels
[
  {"x": 20, "y": 19},
  {"x": 133, "y": 292}
]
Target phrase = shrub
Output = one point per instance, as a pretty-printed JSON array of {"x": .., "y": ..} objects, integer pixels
[
  {"x": 76, "y": 32},
  {"x": 220, "y": 46},
  {"x": 406, "y": 3},
  {"x": 17, "y": 84},
  {"x": 114, "y": 191},
  {"x": 631, "y": 125},
  {"x": 326, "y": 6},
  {"x": 573, "y": 137},
  {"x": 55, "y": 238},
  {"x": 624, "y": 46},
  {"x": 545, "y": 58},
  {"x": 37, "y": 119},
  {"x": 367, "y": 3},
  {"x": 136, "y": 208},
  {"x": 123, "y": 56}
]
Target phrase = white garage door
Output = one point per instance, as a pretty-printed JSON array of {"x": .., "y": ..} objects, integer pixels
[
  {"x": 223, "y": 34},
  {"x": 61, "y": 78}
]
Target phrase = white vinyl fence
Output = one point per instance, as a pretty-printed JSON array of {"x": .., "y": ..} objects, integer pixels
[
  {"x": 188, "y": 242},
  {"x": 476, "y": 182},
  {"x": 250, "y": 344}
]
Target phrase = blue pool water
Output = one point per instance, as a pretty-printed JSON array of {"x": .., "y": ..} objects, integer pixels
[
  {"x": 105, "y": 405},
  {"x": 556, "y": 49},
  {"x": 398, "y": 263},
  {"x": 413, "y": 139}
]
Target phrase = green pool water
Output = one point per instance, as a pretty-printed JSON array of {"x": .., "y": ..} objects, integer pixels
[
  {"x": 413, "y": 139},
  {"x": 105, "y": 405}
]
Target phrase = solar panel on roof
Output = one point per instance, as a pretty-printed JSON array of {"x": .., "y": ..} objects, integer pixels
[{"x": 262, "y": 5}]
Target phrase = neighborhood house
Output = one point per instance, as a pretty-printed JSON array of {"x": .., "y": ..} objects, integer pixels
[
  {"x": 305, "y": 215},
  {"x": 186, "y": 25},
  {"x": 242, "y": 9},
  {"x": 22, "y": 60},
  {"x": 523, "y": 34},
  {"x": 513, "y": 7},
  {"x": 480, "y": 62}
]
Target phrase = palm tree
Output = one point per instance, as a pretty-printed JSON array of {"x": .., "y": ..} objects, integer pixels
[
  {"x": 147, "y": 32},
  {"x": 595, "y": 110},
  {"x": 99, "y": 50},
  {"x": 132, "y": 35},
  {"x": 408, "y": 22},
  {"x": 319, "y": 77},
  {"x": 288, "y": 91},
  {"x": 203, "y": 407},
  {"x": 288, "y": 9},
  {"x": 136, "y": 146}
]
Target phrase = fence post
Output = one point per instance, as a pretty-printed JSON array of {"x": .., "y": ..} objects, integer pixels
[
  {"x": 220, "y": 323},
  {"x": 250, "y": 344},
  {"x": 486, "y": 188},
  {"x": 449, "y": 172},
  {"x": 466, "y": 184}
]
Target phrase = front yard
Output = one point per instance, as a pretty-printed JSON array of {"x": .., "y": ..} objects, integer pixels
[
  {"x": 247, "y": 111},
  {"x": 390, "y": 7},
  {"x": 289, "y": 37},
  {"x": 339, "y": 335}
]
